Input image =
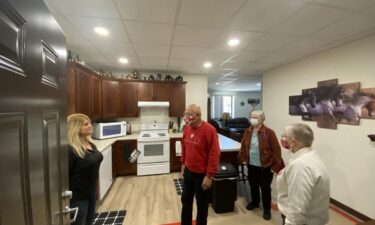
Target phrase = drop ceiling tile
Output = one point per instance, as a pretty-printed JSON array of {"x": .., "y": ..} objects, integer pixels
[
  {"x": 345, "y": 28},
  {"x": 271, "y": 42},
  {"x": 149, "y": 33},
  {"x": 347, "y": 4},
  {"x": 86, "y": 26},
  {"x": 249, "y": 56},
  {"x": 263, "y": 15},
  {"x": 208, "y": 13},
  {"x": 234, "y": 65},
  {"x": 263, "y": 66},
  {"x": 163, "y": 11},
  {"x": 306, "y": 46},
  {"x": 309, "y": 19},
  {"x": 280, "y": 57},
  {"x": 81, "y": 46},
  {"x": 220, "y": 54},
  {"x": 158, "y": 51},
  {"x": 113, "y": 61},
  {"x": 151, "y": 62},
  {"x": 195, "y": 36},
  {"x": 119, "y": 48},
  {"x": 92, "y": 8},
  {"x": 189, "y": 52},
  {"x": 70, "y": 31},
  {"x": 245, "y": 37}
]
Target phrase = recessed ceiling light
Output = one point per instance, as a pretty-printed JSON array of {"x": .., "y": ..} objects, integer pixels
[
  {"x": 207, "y": 65},
  {"x": 217, "y": 83},
  {"x": 101, "y": 31},
  {"x": 258, "y": 84},
  {"x": 233, "y": 42},
  {"x": 123, "y": 60}
]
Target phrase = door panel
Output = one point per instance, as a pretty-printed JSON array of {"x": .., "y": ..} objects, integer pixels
[
  {"x": 33, "y": 103},
  {"x": 14, "y": 185}
]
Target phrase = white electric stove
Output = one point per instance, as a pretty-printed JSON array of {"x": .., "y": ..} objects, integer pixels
[{"x": 153, "y": 143}]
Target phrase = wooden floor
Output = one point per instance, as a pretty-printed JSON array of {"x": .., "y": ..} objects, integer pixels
[{"x": 152, "y": 200}]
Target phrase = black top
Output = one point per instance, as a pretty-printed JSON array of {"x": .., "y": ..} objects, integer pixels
[{"x": 83, "y": 173}]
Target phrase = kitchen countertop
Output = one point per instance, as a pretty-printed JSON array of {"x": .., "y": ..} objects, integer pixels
[{"x": 226, "y": 144}]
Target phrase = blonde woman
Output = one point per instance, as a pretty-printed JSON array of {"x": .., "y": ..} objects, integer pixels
[{"x": 84, "y": 163}]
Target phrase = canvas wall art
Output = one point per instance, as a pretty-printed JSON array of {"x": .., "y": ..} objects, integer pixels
[{"x": 331, "y": 103}]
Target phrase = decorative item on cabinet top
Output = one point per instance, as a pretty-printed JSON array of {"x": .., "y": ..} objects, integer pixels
[{"x": 372, "y": 137}]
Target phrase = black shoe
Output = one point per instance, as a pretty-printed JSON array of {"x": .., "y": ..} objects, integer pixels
[
  {"x": 267, "y": 215},
  {"x": 251, "y": 206}
]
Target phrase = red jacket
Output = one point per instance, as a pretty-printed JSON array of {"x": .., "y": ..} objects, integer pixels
[
  {"x": 200, "y": 149},
  {"x": 270, "y": 153}
]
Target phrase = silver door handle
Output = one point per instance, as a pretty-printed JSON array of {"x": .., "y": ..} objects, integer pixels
[
  {"x": 67, "y": 194},
  {"x": 68, "y": 211}
]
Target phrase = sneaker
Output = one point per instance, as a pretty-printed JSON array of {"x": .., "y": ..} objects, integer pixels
[
  {"x": 267, "y": 215},
  {"x": 251, "y": 206}
]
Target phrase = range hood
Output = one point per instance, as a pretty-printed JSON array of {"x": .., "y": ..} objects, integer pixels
[{"x": 153, "y": 104}]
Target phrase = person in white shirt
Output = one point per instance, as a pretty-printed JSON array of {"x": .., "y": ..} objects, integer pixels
[{"x": 303, "y": 185}]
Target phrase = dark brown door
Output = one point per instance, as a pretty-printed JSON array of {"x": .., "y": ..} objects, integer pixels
[
  {"x": 145, "y": 91},
  {"x": 161, "y": 92},
  {"x": 33, "y": 102},
  {"x": 177, "y": 100}
]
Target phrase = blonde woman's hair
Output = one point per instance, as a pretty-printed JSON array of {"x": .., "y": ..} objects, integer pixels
[{"x": 75, "y": 122}]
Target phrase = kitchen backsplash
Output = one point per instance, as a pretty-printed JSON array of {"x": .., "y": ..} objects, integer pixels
[{"x": 148, "y": 115}]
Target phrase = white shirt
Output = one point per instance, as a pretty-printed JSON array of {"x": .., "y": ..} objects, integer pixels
[{"x": 303, "y": 189}]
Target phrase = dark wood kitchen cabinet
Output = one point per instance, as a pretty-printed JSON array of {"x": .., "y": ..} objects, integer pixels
[
  {"x": 120, "y": 164},
  {"x": 153, "y": 91},
  {"x": 177, "y": 99},
  {"x": 84, "y": 91},
  {"x": 128, "y": 104},
  {"x": 175, "y": 161},
  {"x": 110, "y": 98}
]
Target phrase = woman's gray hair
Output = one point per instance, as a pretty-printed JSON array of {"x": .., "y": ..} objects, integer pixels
[
  {"x": 301, "y": 132},
  {"x": 259, "y": 113}
]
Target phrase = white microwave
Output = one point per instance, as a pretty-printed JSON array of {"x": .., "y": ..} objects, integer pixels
[{"x": 109, "y": 130}]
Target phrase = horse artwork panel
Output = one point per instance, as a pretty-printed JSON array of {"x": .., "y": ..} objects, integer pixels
[{"x": 330, "y": 104}]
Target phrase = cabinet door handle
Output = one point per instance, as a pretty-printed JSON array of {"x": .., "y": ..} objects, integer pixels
[{"x": 67, "y": 211}]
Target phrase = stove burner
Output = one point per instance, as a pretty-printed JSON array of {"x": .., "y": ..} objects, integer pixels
[
  {"x": 146, "y": 135},
  {"x": 162, "y": 134}
]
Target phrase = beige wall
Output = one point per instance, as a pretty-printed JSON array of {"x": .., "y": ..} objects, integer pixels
[
  {"x": 347, "y": 152},
  {"x": 196, "y": 92}
]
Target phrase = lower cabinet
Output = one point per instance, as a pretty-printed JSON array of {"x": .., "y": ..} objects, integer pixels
[
  {"x": 105, "y": 172},
  {"x": 121, "y": 165},
  {"x": 175, "y": 161}
]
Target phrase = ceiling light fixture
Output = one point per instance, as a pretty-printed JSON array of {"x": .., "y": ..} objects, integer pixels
[
  {"x": 123, "y": 60},
  {"x": 233, "y": 42},
  {"x": 101, "y": 31},
  {"x": 258, "y": 84},
  {"x": 217, "y": 83},
  {"x": 207, "y": 65}
]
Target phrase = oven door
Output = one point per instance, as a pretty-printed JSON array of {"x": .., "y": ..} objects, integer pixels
[{"x": 153, "y": 151}]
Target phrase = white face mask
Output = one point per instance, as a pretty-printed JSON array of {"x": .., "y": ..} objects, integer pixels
[{"x": 254, "y": 122}]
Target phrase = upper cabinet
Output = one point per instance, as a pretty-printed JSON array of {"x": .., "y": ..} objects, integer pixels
[
  {"x": 110, "y": 98},
  {"x": 100, "y": 97},
  {"x": 128, "y": 106},
  {"x": 84, "y": 90},
  {"x": 153, "y": 91},
  {"x": 177, "y": 100}
]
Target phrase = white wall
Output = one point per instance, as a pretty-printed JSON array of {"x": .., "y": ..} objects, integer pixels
[{"x": 347, "y": 151}]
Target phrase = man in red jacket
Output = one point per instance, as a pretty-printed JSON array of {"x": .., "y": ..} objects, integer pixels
[{"x": 200, "y": 158}]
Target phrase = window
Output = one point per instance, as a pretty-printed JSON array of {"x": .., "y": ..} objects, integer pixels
[{"x": 222, "y": 104}]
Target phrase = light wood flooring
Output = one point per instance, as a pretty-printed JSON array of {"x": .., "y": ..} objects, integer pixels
[{"x": 152, "y": 200}]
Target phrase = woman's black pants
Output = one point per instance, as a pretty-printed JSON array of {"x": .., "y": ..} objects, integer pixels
[{"x": 260, "y": 180}]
